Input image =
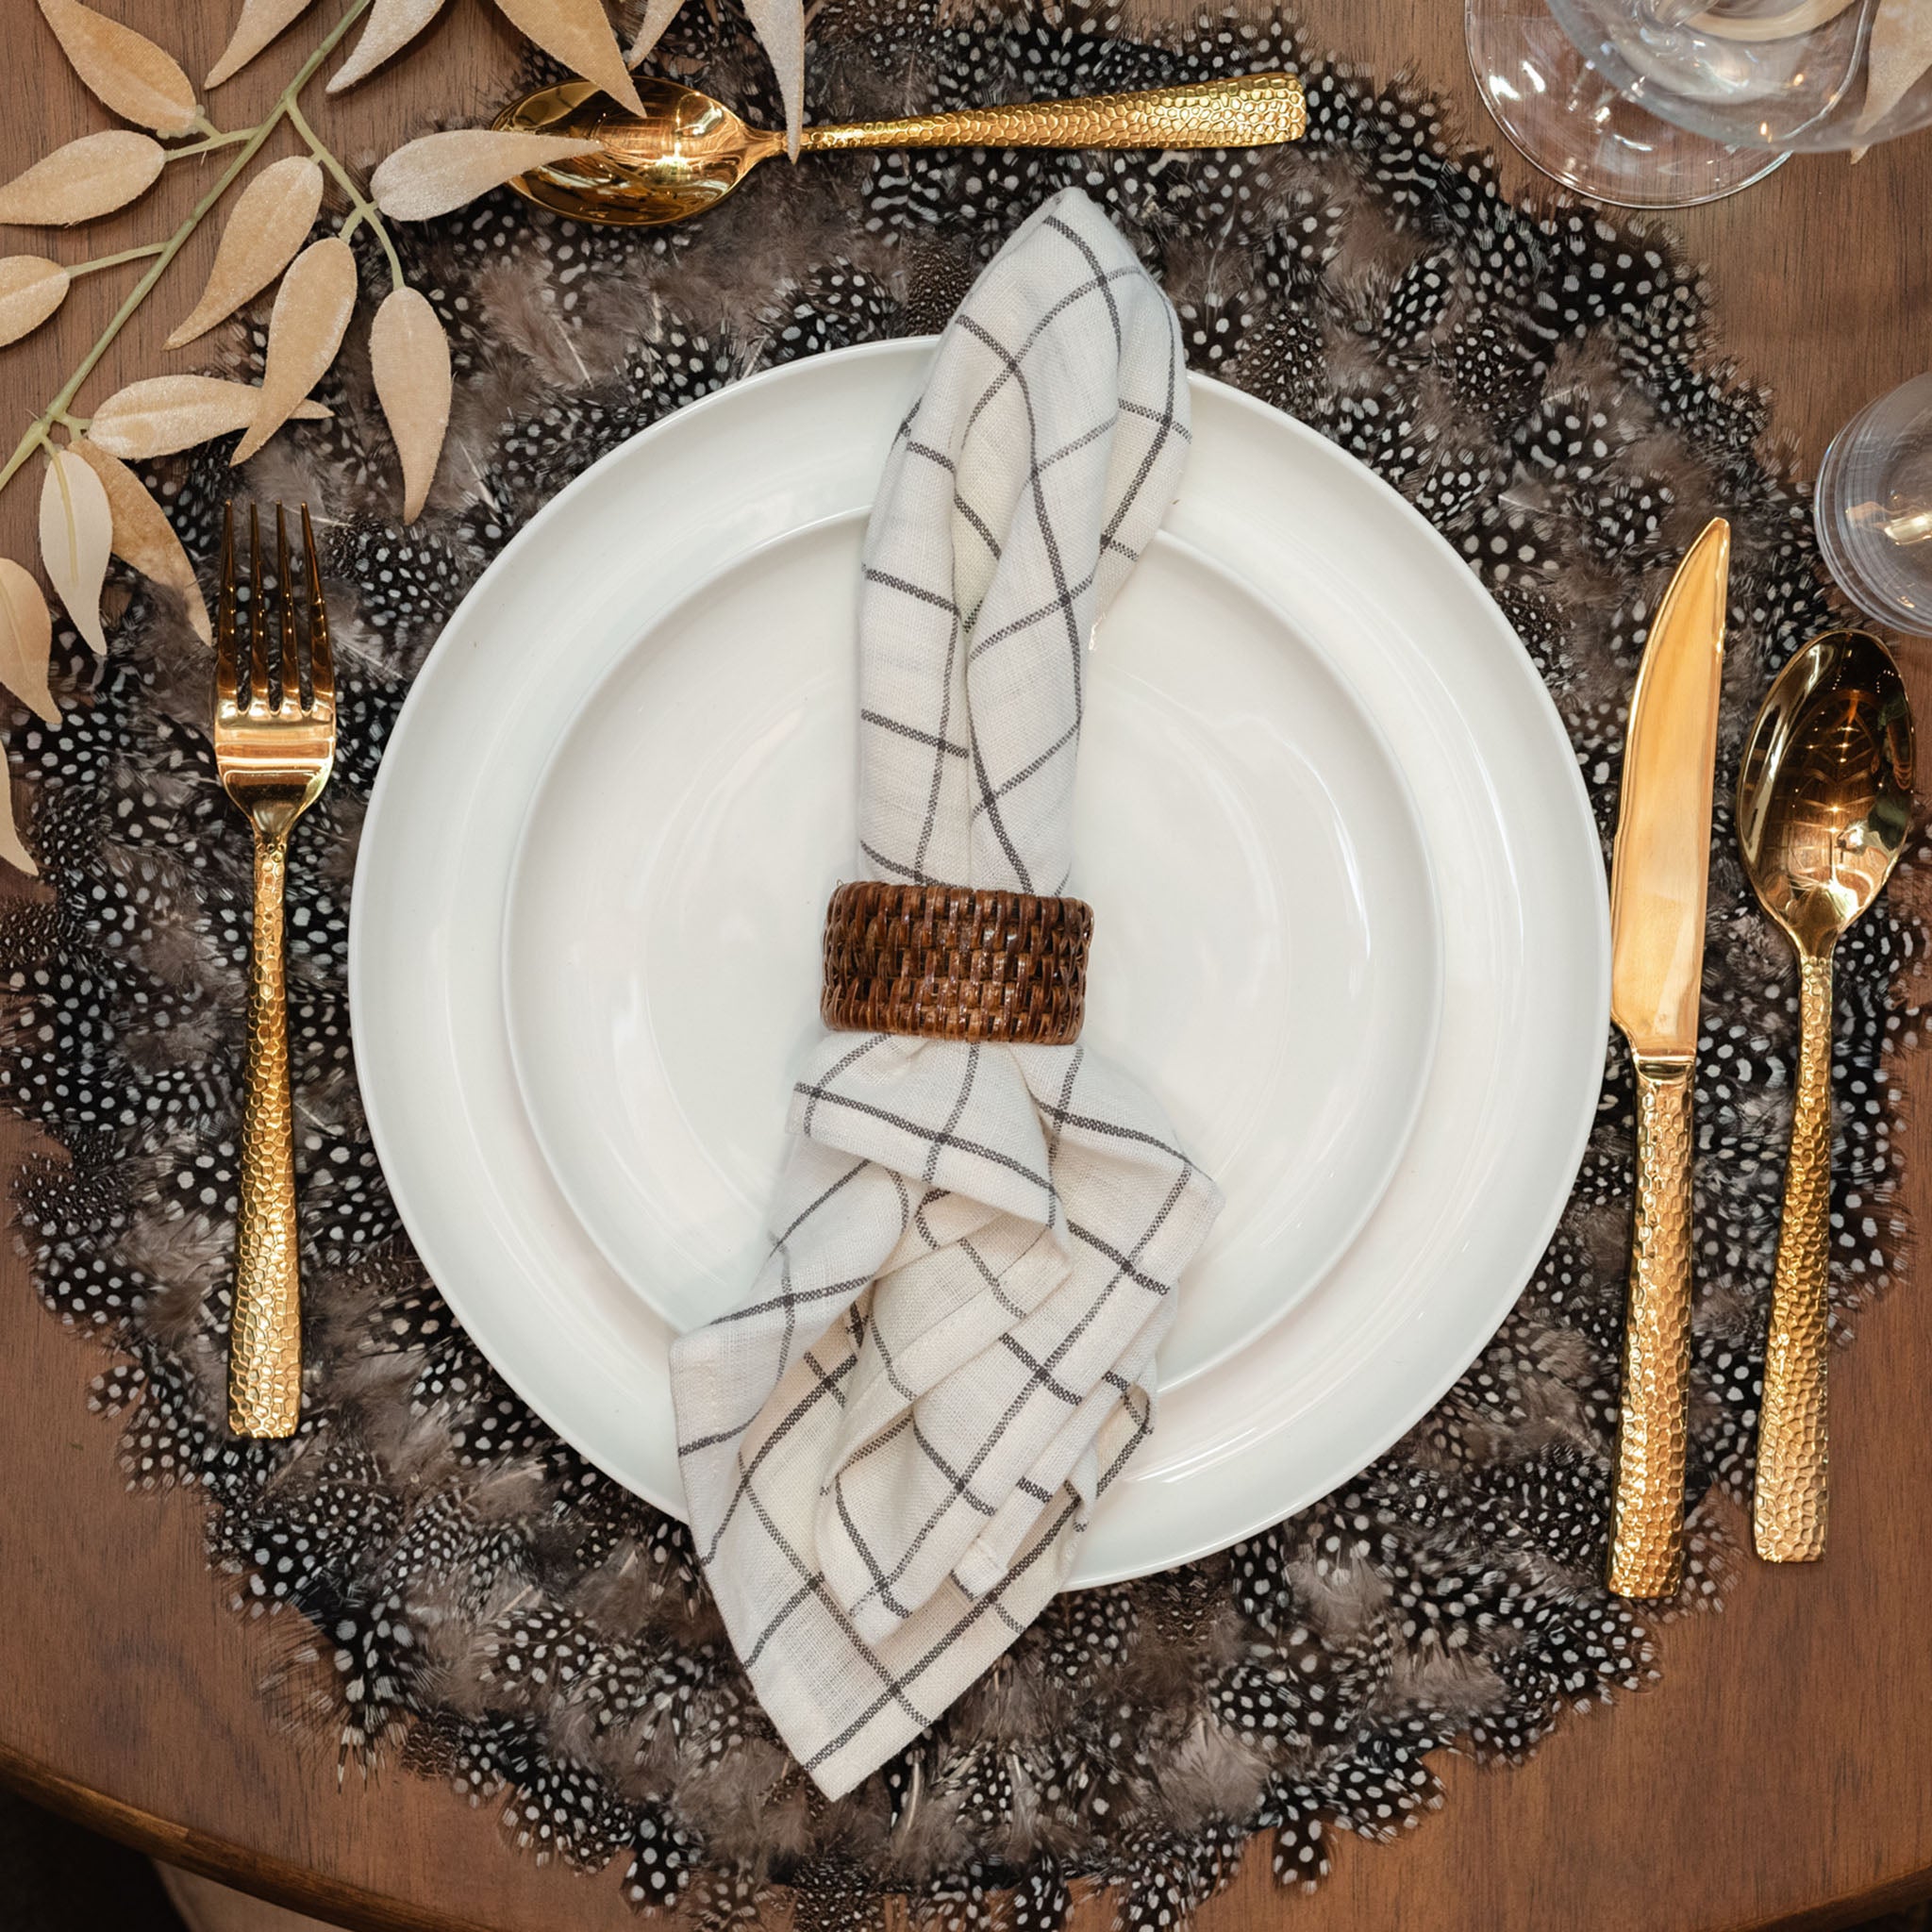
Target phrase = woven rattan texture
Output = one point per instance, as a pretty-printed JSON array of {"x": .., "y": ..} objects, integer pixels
[
  {"x": 1543, "y": 386},
  {"x": 948, "y": 962}
]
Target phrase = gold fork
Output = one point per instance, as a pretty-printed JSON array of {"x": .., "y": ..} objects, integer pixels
[{"x": 275, "y": 747}]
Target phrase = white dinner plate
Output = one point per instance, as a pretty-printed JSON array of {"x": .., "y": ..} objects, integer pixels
[
  {"x": 1351, "y": 569},
  {"x": 1266, "y": 956}
]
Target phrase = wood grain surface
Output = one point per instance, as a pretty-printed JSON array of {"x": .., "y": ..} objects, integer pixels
[{"x": 1779, "y": 1773}]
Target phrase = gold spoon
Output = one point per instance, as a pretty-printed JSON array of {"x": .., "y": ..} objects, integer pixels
[
  {"x": 1825, "y": 801},
  {"x": 687, "y": 151}
]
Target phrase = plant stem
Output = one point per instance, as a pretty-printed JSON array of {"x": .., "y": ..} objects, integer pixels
[
  {"x": 215, "y": 140},
  {"x": 86, "y": 268},
  {"x": 361, "y": 208},
  {"x": 36, "y": 437}
]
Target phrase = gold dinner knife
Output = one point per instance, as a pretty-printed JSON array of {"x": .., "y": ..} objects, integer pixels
[{"x": 1657, "y": 955}]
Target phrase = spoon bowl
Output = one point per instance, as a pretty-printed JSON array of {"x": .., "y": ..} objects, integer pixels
[
  {"x": 682, "y": 156},
  {"x": 1824, "y": 794}
]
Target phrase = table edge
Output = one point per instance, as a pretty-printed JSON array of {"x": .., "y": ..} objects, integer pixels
[
  {"x": 220, "y": 1859},
  {"x": 361, "y": 1911}
]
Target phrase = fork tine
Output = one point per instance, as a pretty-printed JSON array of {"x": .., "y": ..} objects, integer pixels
[
  {"x": 244, "y": 626},
  {"x": 258, "y": 615},
  {"x": 289, "y": 666},
  {"x": 323, "y": 663},
  {"x": 227, "y": 666}
]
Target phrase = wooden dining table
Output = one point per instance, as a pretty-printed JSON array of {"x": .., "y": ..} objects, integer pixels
[{"x": 1778, "y": 1772}]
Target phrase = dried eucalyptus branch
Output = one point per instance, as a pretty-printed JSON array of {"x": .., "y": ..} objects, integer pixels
[
  {"x": 91, "y": 505},
  {"x": 252, "y": 141}
]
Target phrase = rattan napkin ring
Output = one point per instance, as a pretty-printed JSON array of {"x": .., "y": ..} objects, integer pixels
[{"x": 950, "y": 962}]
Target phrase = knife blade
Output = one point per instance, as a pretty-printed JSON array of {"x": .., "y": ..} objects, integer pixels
[{"x": 1659, "y": 868}]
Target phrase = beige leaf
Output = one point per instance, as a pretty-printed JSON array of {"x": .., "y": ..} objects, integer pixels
[
  {"x": 261, "y": 21},
  {"x": 439, "y": 172},
  {"x": 31, "y": 288},
  {"x": 780, "y": 27},
  {"x": 578, "y": 32},
  {"x": 270, "y": 222},
  {"x": 165, "y": 413},
  {"x": 26, "y": 641},
  {"x": 658, "y": 14},
  {"x": 143, "y": 537},
  {"x": 123, "y": 69},
  {"x": 409, "y": 357},
  {"x": 305, "y": 329},
  {"x": 11, "y": 850},
  {"x": 1900, "y": 52},
  {"x": 76, "y": 534},
  {"x": 393, "y": 24},
  {"x": 91, "y": 176}
]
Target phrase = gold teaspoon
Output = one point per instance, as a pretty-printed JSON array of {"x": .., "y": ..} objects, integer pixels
[
  {"x": 1825, "y": 801},
  {"x": 687, "y": 151}
]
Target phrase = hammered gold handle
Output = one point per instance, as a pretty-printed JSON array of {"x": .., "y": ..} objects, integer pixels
[
  {"x": 1252, "y": 111},
  {"x": 265, "y": 1339},
  {"x": 1647, "y": 1503},
  {"x": 1788, "y": 1510}
]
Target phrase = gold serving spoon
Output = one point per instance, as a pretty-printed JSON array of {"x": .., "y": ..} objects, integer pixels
[
  {"x": 687, "y": 151},
  {"x": 1825, "y": 801}
]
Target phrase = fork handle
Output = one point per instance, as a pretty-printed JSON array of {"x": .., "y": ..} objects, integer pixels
[{"x": 265, "y": 1341}]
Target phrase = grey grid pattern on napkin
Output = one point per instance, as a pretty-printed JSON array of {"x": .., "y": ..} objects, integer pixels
[{"x": 891, "y": 1448}]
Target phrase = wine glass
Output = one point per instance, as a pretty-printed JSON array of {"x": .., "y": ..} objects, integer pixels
[
  {"x": 1872, "y": 510},
  {"x": 1667, "y": 103}
]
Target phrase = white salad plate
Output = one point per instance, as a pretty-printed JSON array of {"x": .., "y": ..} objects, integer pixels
[
  {"x": 1324, "y": 581},
  {"x": 1266, "y": 955}
]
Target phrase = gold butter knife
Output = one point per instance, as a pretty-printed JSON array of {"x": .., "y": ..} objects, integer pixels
[{"x": 1657, "y": 880}]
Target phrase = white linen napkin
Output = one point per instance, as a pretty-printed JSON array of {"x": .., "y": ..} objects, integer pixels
[{"x": 889, "y": 1451}]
